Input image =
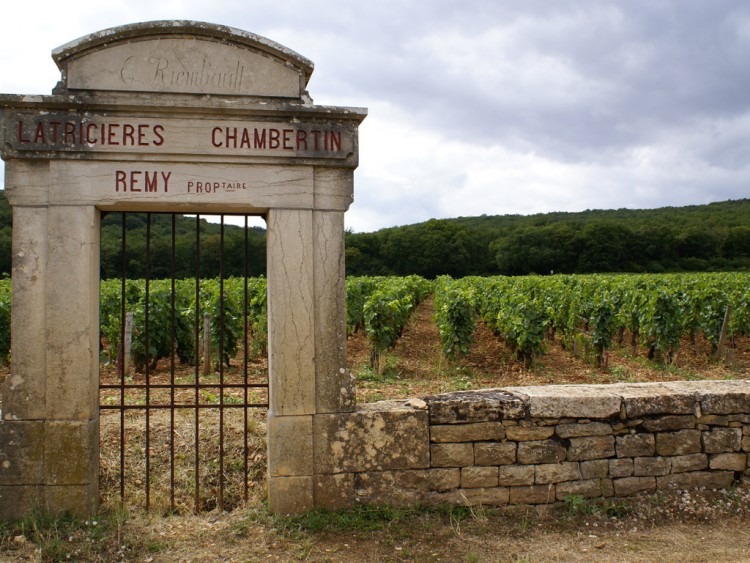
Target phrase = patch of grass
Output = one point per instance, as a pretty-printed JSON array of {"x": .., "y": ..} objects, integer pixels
[
  {"x": 360, "y": 518},
  {"x": 72, "y": 538},
  {"x": 575, "y": 506}
]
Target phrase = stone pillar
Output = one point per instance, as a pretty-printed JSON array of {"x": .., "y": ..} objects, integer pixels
[
  {"x": 291, "y": 363},
  {"x": 49, "y": 453},
  {"x": 307, "y": 345}
]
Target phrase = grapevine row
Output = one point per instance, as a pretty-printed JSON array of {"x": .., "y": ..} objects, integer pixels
[
  {"x": 180, "y": 308},
  {"x": 591, "y": 311}
]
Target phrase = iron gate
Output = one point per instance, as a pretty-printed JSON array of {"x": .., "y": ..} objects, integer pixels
[{"x": 184, "y": 380}]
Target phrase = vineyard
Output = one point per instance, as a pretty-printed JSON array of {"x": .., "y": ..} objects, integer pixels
[{"x": 586, "y": 315}]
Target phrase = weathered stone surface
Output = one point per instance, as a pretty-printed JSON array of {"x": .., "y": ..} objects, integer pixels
[
  {"x": 452, "y": 455},
  {"x": 591, "y": 447},
  {"x": 17, "y": 501},
  {"x": 633, "y": 485},
  {"x": 588, "y": 429},
  {"x": 516, "y": 475},
  {"x": 494, "y": 453},
  {"x": 21, "y": 453},
  {"x": 651, "y": 466},
  {"x": 78, "y": 500},
  {"x": 669, "y": 423},
  {"x": 724, "y": 397},
  {"x": 474, "y": 406},
  {"x": 494, "y": 496},
  {"x": 621, "y": 467},
  {"x": 746, "y": 443},
  {"x": 695, "y": 480},
  {"x": 729, "y": 461},
  {"x": 72, "y": 355},
  {"x": 586, "y": 488},
  {"x": 556, "y": 473},
  {"x": 477, "y": 477},
  {"x": 387, "y": 487},
  {"x": 71, "y": 453},
  {"x": 526, "y": 433},
  {"x": 713, "y": 420},
  {"x": 334, "y": 492},
  {"x": 141, "y": 57},
  {"x": 691, "y": 462},
  {"x": 573, "y": 401},
  {"x": 543, "y": 451},
  {"x": 681, "y": 442},
  {"x": 634, "y": 445},
  {"x": 408, "y": 486},
  {"x": 533, "y": 494},
  {"x": 376, "y": 437},
  {"x": 290, "y": 442},
  {"x": 719, "y": 440},
  {"x": 290, "y": 313},
  {"x": 644, "y": 399},
  {"x": 595, "y": 468},
  {"x": 334, "y": 383},
  {"x": 477, "y": 432},
  {"x": 23, "y": 392},
  {"x": 291, "y": 495}
]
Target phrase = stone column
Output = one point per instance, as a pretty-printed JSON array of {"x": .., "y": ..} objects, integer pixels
[
  {"x": 291, "y": 359},
  {"x": 307, "y": 345},
  {"x": 49, "y": 454}
]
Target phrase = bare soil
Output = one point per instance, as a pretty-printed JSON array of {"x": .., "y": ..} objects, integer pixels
[
  {"x": 417, "y": 367},
  {"x": 700, "y": 526}
]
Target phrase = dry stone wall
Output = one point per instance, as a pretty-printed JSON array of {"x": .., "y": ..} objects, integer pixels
[{"x": 536, "y": 445}]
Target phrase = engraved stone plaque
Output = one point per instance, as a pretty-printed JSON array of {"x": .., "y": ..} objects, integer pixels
[{"x": 182, "y": 57}]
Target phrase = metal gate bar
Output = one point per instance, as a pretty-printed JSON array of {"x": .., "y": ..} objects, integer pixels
[{"x": 152, "y": 388}]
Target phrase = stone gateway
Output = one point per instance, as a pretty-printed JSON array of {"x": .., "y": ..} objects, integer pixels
[{"x": 173, "y": 116}]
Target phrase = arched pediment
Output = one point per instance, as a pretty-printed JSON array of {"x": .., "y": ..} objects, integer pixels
[{"x": 182, "y": 57}]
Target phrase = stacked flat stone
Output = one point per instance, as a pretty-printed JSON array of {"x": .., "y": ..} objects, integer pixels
[{"x": 536, "y": 445}]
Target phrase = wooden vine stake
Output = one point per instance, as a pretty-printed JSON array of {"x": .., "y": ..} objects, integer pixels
[{"x": 724, "y": 355}]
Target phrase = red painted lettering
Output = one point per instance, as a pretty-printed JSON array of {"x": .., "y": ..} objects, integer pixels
[
  {"x": 260, "y": 139},
  {"x": 273, "y": 138},
  {"x": 301, "y": 140},
  {"x": 142, "y": 142},
  {"x": 134, "y": 179},
  {"x": 20, "y": 134},
  {"x": 158, "y": 130},
  {"x": 39, "y": 137},
  {"x": 315, "y": 135},
  {"x": 245, "y": 143},
  {"x": 335, "y": 140},
  {"x": 120, "y": 177},
  {"x": 288, "y": 139},
  {"x": 128, "y": 134},
  {"x": 231, "y": 138},
  {"x": 89, "y": 139},
  {"x": 113, "y": 127},
  {"x": 150, "y": 181},
  {"x": 55, "y": 127},
  {"x": 69, "y": 134},
  {"x": 214, "y": 132},
  {"x": 166, "y": 177}
]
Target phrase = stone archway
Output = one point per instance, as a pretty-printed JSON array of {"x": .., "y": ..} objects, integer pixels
[{"x": 169, "y": 116}]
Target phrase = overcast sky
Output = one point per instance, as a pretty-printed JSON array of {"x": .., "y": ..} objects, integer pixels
[{"x": 485, "y": 106}]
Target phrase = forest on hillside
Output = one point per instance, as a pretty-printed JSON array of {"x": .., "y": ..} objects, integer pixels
[{"x": 712, "y": 237}]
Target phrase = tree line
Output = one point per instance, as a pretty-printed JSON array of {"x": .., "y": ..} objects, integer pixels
[{"x": 712, "y": 237}]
